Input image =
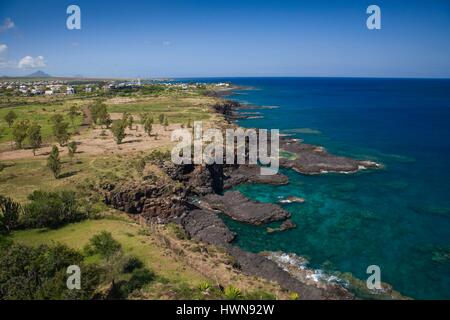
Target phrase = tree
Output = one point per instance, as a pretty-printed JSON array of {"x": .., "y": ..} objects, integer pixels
[
  {"x": 125, "y": 116},
  {"x": 128, "y": 120},
  {"x": 59, "y": 129},
  {"x": 73, "y": 113},
  {"x": 99, "y": 112},
  {"x": 104, "y": 119},
  {"x": 118, "y": 130},
  {"x": 143, "y": 117},
  {"x": 148, "y": 126},
  {"x": 72, "y": 148},
  {"x": 54, "y": 162},
  {"x": 60, "y": 132},
  {"x": 39, "y": 273},
  {"x": 19, "y": 132},
  {"x": 34, "y": 136},
  {"x": 166, "y": 123},
  {"x": 102, "y": 244},
  {"x": 9, "y": 214},
  {"x": 93, "y": 112},
  {"x": 52, "y": 209},
  {"x": 10, "y": 117},
  {"x": 161, "y": 118}
]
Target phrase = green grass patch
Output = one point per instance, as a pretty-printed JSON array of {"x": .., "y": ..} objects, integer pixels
[
  {"x": 77, "y": 235},
  {"x": 39, "y": 113}
]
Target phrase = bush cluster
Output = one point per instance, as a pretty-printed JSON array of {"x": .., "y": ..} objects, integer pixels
[
  {"x": 29, "y": 273},
  {"x": 51, "y": 210},
  {"x": 45, "y": 210}
]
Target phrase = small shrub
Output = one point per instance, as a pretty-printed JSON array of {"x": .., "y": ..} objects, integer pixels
[
  {"x": 232, "y": 293},
  {"x": 72, "y": 149},
  {"x": 140, "y": 277},
  {"x": 103, "y": 244},
  {"x": 204, "y": 286},
  {"x": 158, "y": 156},
  {"x": 177, "y": 231},
  {"x": 294, "y": 296},
  {"x": 131, "y": 264},
  {"x": 9, "y": 214},
  {"x": 144, "y": 232}
]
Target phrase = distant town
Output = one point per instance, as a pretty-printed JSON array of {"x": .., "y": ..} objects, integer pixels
[{"x": 49, "y": 86}]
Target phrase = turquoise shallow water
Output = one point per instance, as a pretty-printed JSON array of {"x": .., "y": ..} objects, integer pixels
[{"x": 398, "y": 217}]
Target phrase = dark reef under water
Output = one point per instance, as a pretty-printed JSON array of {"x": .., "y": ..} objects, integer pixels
[{"x": 397, "y": 217}]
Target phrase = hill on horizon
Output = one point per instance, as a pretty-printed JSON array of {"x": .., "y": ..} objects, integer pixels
[{"x": 39, "y": 74}]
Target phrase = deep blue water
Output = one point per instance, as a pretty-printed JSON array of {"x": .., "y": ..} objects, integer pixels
[{"x": 398, "y": 217}]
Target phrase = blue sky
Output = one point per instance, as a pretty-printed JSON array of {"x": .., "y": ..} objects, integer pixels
[{"x": 226, "y": 38}]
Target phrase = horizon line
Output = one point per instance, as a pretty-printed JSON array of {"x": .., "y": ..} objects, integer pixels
[{"x": 230, "y": 77}]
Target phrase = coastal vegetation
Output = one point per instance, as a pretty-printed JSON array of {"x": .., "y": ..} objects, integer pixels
[{"x": 65, "y": 148}]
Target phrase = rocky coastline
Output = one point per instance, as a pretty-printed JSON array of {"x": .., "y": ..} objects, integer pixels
[
  {"x": 235, "y": 205},
  {"x": 198, "y": 198}
]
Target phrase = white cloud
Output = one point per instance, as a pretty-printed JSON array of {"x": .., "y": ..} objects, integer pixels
[
  {"x": 29, "y": 62},
  {"x": 7, "y": 24}
]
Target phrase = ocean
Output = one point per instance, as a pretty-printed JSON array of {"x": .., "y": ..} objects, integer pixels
[{"x": 397, "y": 218}]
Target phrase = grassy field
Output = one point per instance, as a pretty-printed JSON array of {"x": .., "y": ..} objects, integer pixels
[
  {"x": 180, "y": 265},
  {"x": 20, "y": 178},
  {"x": 177, "y": 108},
  {"x": 40, "y": 113},
  {"x": 130, "y": 236}
]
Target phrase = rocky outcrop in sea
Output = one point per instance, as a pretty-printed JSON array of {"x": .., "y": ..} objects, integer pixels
[{"x": 198, "y": 196}]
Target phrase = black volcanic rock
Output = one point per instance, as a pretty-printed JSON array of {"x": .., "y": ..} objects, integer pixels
[
  {"x": 207, "y": 227},
  {"x": 258, "y": 265},
  {"x": 250, "y": 174},
  {"x": 216, "y": 178},
  {"x": 310, "y": 159},
  {"x": 286, "y": 225},
  {"x": 152, "y": 201},
  {"x": 235, "y": 205}
]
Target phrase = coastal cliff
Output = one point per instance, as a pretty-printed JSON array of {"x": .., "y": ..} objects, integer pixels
[{"x": 198, "y": 196}]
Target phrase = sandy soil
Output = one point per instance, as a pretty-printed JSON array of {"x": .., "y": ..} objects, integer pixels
[{"x": 101, "y": 142}]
